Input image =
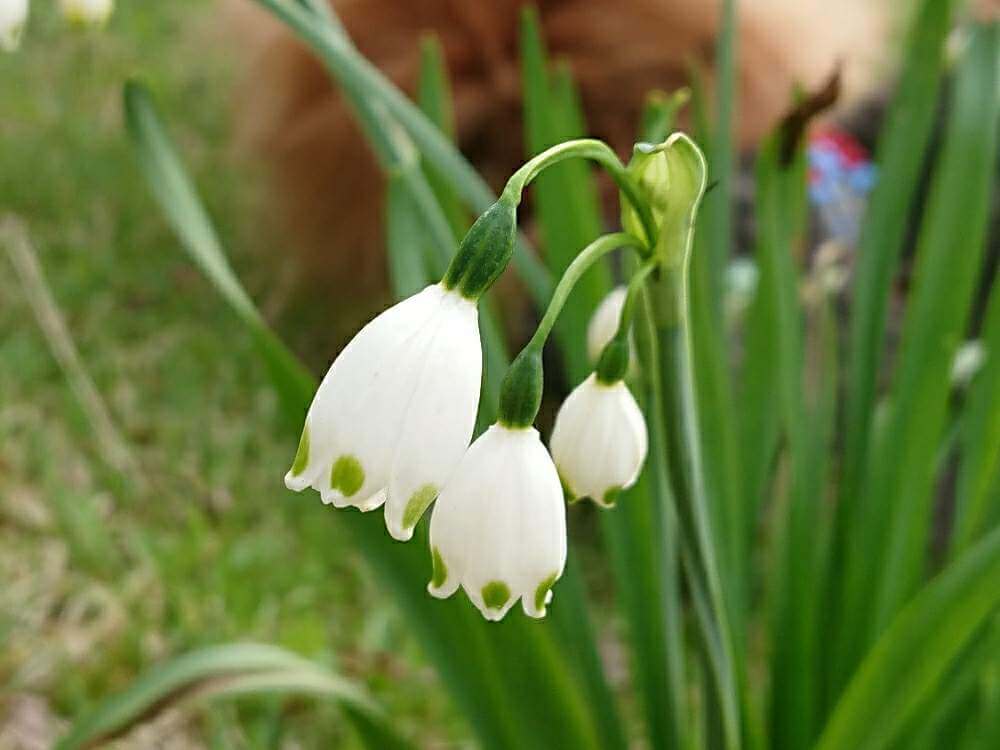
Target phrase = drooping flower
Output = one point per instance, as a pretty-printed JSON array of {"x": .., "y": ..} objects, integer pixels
[
  {"x": 599, "y": 441},
  {"x": 13, "y": 17},
  {"x": 87, "y": 12},
  {"x": 394, "y": 414},
  {"x": 498, "y": 529}
]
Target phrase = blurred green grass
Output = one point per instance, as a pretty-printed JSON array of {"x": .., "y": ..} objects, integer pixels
[{"x": 100, "y": 579}]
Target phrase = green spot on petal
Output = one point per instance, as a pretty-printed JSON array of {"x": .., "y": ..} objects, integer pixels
[
  {"x": 440, "y": 571},
  {"x": 302, "y": 454},
  {"x": 347, "y": 476},
  {"x": 417, "y": 504},
  {"x": 567, "y": 492},
  {"x": 611, "y": 496},
  {"x": 543, "y": 590},
  {"x": 495, "y": 594}
]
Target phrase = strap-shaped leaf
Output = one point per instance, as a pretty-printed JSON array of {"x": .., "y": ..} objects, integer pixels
[
  {"x": 227, "y": 670},
  {"x": 907, "y": 663}
]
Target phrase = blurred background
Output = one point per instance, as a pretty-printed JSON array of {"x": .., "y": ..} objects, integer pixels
[{"x": 141, "y": 506}]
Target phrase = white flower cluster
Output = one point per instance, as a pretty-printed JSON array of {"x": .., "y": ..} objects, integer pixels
[
  {"x": 14, "y": 16},
  {"x": 390, "y": 426}
]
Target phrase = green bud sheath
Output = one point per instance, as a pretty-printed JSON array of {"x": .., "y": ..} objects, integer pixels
[
  {"x": 613, "y": 364},
  {"x": 521, "y": 390},
  {"x": 485, "y": 250}
]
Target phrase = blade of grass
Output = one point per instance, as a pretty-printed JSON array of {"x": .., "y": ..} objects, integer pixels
[
  {"x": 901, "y": 147},
  {"x": 907, "y": 664},
  {"x": 111, "y": 445},
  {"x": 230, "y": 669},
  {"x": 979, "y": 438},
  {"x": 949, "y": 258},
  {"x": 476, "y": 675}
]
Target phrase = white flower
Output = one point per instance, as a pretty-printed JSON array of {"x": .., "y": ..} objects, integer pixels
[
  {"x": 86, "y": 12},
  {"x": 599, "y": 440},
  {"x": 396, "y": 411},
  {"x": 499, "y": 527},
  {"x": 604, "y": 322},
  {"x": 13, "y": 16}
]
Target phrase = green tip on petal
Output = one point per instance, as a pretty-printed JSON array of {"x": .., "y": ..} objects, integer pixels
[
  {"x": 495, "y": 594},
  {"x": 417, "y": 504},
  {"x": 611, "y": 497},
  {"x": 302, "y": 454},
  {"x": 439, "y": 573},
  {"x": 542, "y": 591},
  {"x": 347, "y": 476},
  {"x": 568, "y": 494}
]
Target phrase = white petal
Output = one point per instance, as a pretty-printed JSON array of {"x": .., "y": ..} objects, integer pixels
[
  {"x": 363, "y": 370},
  {"x": 604, "y": 323},
  {"x": 599, "y": 441},
  {"x": 499, "y": 526},
  {"x": 435, "y": 431}
]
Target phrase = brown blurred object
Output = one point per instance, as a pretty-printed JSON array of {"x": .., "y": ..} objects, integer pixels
[{"x": 326, "y": 181}]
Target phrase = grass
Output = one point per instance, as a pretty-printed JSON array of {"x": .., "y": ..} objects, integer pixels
[{"x": 101, "y": 578}]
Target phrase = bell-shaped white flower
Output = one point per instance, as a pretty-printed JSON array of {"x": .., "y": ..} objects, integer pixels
[
  {"x": 599, "y": 441},
  {"x": 604, "y": 322},
  {"x": 87, "y": 12},
  {"x": 13, "y": 17},
  {"x": 396, "y": 410},
  {"x": 499, "y": 527}
]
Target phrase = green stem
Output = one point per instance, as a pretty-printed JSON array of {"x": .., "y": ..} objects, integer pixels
[
  {"x": 673, "y": 322},
  {"x": 583, "y": 261},
  {"x": 584, "y": 148},
  {"x": 612, "y": 365},
  {"x": 521, "y": 390}
]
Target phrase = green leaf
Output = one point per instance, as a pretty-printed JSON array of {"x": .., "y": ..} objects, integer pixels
[
  {"x": 908, "y": 662},
  {"x": 182, "y": 207},
  {"x": 565, "y": 195},
  {"x": 900, "y": 158},
  {"x": 949, "y": 259},
  {"x": 434, "y": 97},
  {"x": 406, "y": 242},
  {"x": 780, "y": 189},
  {"x": 979, "y": 438},
  {"x": 231, "y": 669}
]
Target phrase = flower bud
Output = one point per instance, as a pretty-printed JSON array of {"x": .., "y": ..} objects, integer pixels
[
  {"x": 671, "y": 178},
  {"x": 599, "y": 442},
  {"x": 651, "y": 173},
  {"x": 604, "y": 323},
  {"x": 485, "y": 251},
  {"x": 13, "y": 16},
  {"x": 521, "y": 390}
]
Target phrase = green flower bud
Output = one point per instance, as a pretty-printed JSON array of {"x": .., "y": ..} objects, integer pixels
[
  {"x": 613, "y": 364},
  {"x": 485, "y": 251},
  {"x": 671, "y": 176},
  {"x": 521, "y": 390}
]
